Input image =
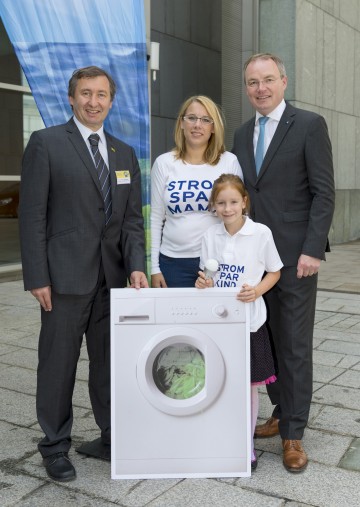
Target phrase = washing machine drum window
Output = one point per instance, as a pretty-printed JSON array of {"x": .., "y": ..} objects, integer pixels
[{"x": 179, "y": 371}]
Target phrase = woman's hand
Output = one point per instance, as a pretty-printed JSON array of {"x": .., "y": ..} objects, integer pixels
[{"x": 158, "y": 281}]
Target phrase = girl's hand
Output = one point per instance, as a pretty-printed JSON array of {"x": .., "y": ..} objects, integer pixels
[
  {"x": 247, "y": 294},
  {"x": 202, "y": 282}
]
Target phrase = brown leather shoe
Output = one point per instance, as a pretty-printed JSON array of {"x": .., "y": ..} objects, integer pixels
[
  {"x": 268, "y": 429},
  {"x": 294, "y": 458}
]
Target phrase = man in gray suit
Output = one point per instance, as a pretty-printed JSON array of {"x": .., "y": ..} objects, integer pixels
[
  {"x": 292, "y": 192},
  {"x": 77, "y": 242}
]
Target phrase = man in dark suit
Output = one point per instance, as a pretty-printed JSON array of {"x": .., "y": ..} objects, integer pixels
[
  {"x": 81, "y": 234},
  {"x": 292, "y": 192}
]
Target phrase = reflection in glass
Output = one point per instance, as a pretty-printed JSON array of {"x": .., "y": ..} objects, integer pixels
[
  {"x": 31, "y": 118},
  {"x": 19, "y": 117},
  {"x": 9, "y": 199},
  {"x": 9, "y": 228},
  {"x": 179, "y": 371}
]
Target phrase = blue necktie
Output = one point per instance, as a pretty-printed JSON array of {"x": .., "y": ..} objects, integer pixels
[
  {"x": 103, "y": 174},
  {"x": 259, "y": 154}
]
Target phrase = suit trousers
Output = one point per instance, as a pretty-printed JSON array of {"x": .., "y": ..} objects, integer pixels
[
  {"x": 60, "y": 341},
  {"x": 291, "y": 305}
]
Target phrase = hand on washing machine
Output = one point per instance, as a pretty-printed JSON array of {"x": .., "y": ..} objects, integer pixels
[
  {"x": 138, "y": 280},
  {"x": 202, "y": 282},
  {"x": 158, "y": 281},
  {"x": 247, "y": 294}
]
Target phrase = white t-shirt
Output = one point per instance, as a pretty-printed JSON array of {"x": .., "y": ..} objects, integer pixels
[
  {"x": 179, "y": 204},
  {"x": 243, "y": 258}
]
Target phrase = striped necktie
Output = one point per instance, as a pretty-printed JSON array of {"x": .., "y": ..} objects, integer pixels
[
  {"x": 103, "y": 174},
  {"x": 259, "y": 153}
]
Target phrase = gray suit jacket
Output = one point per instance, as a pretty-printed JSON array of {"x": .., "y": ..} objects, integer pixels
[
  {"x": 62, "y": 226},
  {"x": 294, "y": 191}
]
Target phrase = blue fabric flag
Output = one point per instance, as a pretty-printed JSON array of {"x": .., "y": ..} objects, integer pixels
[{"x": 53, "y": 38}]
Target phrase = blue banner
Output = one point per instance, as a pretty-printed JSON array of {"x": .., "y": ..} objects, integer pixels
[{"x": 53, "y": 38}]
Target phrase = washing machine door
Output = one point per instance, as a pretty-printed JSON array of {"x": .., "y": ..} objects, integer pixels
[{"x": 181, "y": 371}]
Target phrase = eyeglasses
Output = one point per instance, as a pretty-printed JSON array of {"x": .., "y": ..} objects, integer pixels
[
  {"x": 191, "y": 118},
  {"x": 253, "y": 83}
]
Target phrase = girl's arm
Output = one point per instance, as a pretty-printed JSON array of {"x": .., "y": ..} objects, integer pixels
[{"x": 248, "y": 293}]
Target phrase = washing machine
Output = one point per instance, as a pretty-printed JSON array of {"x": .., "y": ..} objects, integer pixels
[{"x": 180, "y": 384}]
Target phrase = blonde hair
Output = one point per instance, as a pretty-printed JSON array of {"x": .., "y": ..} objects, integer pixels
[
  {"x": 216, "y": 144},
  {"x": 229, "y": 180}
]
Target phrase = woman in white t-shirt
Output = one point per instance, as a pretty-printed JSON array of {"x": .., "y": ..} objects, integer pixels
[
  {"x": 248, "y": 259},
  {"x": 181, "y": 183}
]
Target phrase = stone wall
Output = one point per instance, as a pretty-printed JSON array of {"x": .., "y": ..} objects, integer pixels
[{"x": 319, "y": 41}]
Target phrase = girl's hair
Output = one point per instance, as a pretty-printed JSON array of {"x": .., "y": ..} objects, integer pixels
[
  {"x": 229, "y": 180},
  {"x": 216, "y": 144}
]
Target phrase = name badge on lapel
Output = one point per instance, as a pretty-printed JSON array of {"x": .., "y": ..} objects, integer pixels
[{"x": 122, "y": 177}]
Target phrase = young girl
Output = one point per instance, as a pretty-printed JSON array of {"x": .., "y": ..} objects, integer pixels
[{"x": 245, "y": 251}]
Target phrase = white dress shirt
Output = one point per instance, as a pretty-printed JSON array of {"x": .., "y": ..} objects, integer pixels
[
  {"x": 270, "y": 126},
  {"x": 85, "y": 132}
]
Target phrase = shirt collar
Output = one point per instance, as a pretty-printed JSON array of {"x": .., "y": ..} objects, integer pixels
[
  {"x": 246, "y": 230},
  {"x": 85, "y": 131},
  {"x": 275, "y": 114}
]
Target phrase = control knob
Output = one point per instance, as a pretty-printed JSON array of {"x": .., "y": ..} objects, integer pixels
[{"x": 220, "y": 311}]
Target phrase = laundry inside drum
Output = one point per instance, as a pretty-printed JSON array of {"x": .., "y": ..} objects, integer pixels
[{"x": 179, "y": 371}]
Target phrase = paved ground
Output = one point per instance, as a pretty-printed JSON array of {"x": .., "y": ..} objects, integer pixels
[{"x": 332, "y": 438}]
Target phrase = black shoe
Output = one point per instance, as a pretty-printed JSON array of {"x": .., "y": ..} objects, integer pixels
[
  {"x": 96, "y": 449},
  {"x": 59, "y": 467}
]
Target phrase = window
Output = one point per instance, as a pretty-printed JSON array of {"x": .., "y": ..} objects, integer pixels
[{"x": 19, "y": 117}]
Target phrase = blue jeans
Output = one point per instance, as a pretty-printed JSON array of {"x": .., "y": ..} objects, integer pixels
[{"x": 179, "y": 272}]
